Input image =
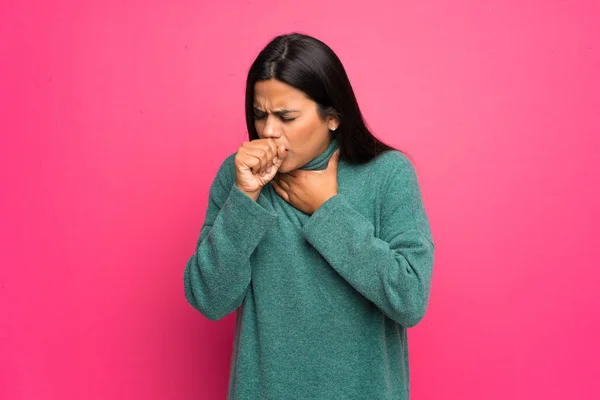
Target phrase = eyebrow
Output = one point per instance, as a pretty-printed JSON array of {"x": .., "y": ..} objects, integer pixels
[{"x": 278, "y": 112}]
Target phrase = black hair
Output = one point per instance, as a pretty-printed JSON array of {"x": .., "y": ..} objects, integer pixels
[{"x": 310, "y": 66}]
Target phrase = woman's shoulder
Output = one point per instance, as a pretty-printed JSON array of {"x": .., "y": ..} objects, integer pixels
[
  {"x": 225, "y": 175},
  {"x": 393, "y": 158},
  {"x": 392, "y": 163},
  {"x": 227, "y": 167}
]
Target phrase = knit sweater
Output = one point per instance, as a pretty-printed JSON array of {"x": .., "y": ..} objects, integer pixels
[{"x": 322, "y": 301}]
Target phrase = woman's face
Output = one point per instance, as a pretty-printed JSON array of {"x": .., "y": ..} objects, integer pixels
[{"x": 288, "y": 116}]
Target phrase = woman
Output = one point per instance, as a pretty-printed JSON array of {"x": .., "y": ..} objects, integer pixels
[{"x": 316, "y": 234}]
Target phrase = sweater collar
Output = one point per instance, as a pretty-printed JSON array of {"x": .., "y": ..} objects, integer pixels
[{"x": 321, "y": 162}]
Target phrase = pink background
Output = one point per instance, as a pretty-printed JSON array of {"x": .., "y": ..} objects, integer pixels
[{"x": 115, "y": 116}]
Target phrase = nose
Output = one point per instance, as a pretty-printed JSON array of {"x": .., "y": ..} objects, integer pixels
[{"x": 272, "y": 127}]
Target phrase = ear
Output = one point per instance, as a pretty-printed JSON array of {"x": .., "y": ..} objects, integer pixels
[{"x": 333, "y": 122}]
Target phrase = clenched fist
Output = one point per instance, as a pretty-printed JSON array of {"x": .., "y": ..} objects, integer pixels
[{"x": 256, "y": 163}]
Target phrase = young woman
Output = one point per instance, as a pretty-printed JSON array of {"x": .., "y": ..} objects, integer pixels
[{"x": 316, "y": 235}]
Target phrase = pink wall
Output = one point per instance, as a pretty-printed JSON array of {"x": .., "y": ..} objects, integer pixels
[{"x": 116, "y": 114}]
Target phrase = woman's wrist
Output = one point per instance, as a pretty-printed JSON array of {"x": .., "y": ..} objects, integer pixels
[{"x": 253, "y": 195}]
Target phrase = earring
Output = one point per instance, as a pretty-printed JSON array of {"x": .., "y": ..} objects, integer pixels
[{"x": 334, "y": 128}]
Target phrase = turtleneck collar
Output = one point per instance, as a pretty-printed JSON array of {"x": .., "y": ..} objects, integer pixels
[{"x": 320, "y": 163}]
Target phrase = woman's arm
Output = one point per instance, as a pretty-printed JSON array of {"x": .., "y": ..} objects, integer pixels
[
  {"x": 393, "y": 270},
  {"x": 217, "y": 276}
]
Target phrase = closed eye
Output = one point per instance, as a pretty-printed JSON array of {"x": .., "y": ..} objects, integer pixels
[{"x": 259, "y": 115}]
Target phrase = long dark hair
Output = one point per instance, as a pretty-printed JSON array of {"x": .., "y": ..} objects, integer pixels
[{"x": 310, "y": 66}]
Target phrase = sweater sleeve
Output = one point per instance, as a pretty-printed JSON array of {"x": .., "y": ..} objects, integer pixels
[
  {"x": 392, "y": 270},
  {"x": 217, "y": 275}
]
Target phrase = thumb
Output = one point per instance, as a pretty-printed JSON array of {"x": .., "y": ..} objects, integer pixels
[
  {"x": 334, "y": 160},
  {"x": 282, "y": 154},
  {"x": 277, "y": 162}
]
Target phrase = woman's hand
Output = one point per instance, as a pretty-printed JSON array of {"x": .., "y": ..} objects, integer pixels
[
  {"x": 256, "y": 163},
  {"x": 308, "y": 190}
]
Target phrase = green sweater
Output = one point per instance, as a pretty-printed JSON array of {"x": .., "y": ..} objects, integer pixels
[{"x": 323, "y": 301}]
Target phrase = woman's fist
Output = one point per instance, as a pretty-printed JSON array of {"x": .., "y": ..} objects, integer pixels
[{"x": 256, "y": 163}]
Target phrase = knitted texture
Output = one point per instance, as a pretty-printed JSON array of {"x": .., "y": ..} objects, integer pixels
[{"x": 322, "y": 301}]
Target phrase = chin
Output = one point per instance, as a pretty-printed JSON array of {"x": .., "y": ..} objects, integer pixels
[{"x": 285, "y": 168}]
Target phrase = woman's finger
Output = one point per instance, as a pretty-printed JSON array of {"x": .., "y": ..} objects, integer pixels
[
  {"x": 285, "y": 180},
  {"x": 285, "y": 186},
  {"x": 282, "y": 193},
  {"x": 261, "y": 156}
]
